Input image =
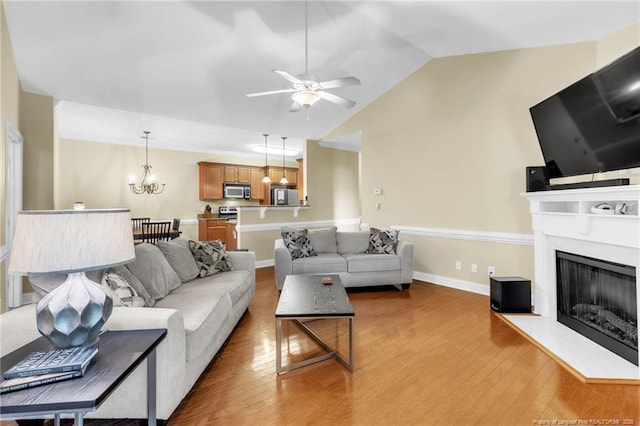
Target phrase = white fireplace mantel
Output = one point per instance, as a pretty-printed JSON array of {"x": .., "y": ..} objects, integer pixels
[{"x": 563, "y": 220}]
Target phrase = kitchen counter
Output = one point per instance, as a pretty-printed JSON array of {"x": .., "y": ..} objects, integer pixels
[{"x": 263, "y": 209}]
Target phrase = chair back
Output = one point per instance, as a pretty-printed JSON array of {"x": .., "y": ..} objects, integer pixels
[
  {"x": 152, "y": 232},
  {"x": 136, "y": 222},
  {"x": 176, "y": 224}
]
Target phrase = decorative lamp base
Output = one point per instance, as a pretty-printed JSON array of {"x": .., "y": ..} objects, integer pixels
[{"x": 74, "y": 313}]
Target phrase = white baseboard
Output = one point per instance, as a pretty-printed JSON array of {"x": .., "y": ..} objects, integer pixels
[
  {"x": 423, "y": 276},
  {"x": 453, "y": 283}
]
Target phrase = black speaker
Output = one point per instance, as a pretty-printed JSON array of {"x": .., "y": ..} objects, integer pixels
[
  {"x": 510, "y": 294},
  {"x": 537, "y": 178}
]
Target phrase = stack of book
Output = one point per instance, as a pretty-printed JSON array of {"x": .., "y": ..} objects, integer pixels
[{"x": 40, "y": 368}]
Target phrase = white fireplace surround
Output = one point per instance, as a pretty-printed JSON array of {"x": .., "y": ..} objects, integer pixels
[{"x": 563, "y": 220}]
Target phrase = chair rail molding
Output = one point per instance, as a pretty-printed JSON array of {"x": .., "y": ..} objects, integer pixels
[
  {"x": 310, "y": 224},
  {"x": 461, "y": 234}
]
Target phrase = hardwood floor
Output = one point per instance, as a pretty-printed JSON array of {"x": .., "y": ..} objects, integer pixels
[{"x": 432, "y": 355}]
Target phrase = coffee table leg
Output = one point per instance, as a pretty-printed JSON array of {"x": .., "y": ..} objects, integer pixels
[
  {"x": 151, "y": 388},
  {"x": 278, "y": 346}
]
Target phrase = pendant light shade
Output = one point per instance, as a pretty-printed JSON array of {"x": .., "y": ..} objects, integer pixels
[
  {"x": 266, "y": 178},
  {"x": 284, "y": 180}
]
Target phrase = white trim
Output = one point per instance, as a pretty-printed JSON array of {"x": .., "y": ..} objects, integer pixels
[
  {"x": 4, "y": 253},
  {"x": 259, "y": 227},
  {"x": 461, "y": 234},
  {"x": 453, "y": 283},
  {"x": 28, "y": 298},
  {"x": 264, "y": 263}
]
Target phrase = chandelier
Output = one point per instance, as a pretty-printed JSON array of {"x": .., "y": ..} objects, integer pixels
[{"x": 148, "y": 183}]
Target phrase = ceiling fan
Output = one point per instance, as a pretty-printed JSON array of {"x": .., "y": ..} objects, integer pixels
[{"x": 306, "y": 89}]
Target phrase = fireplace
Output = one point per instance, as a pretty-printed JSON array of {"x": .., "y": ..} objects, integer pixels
[
  {"x": 597, "y": 299},
  {"x": 599, "y": 248}
]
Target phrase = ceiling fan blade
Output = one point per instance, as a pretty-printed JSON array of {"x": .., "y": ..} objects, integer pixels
[
  {"x": 272, "y": 92},
  {"x": 345, "y": 81},
  {"x": 295, "y": 107},
  {"x": 287, "y": 76},
  {"x": 337, "y": 99}
]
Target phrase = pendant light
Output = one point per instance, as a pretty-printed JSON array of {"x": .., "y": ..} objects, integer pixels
[
  {"x": 284, "y": 180},
  {"x": 266, "y": 178}
]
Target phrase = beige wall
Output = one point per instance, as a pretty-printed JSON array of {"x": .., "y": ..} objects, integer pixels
[
  {"x": 449, "y": 146},
  {"x": 9, "y": 110},
  {"x": 37, "y": 128}
]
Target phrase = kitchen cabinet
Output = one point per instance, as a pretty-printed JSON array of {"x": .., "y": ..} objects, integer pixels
[
  {"x": 211, "y": 178},
  {"x": 275, "y": 173},
  {"x": 236, "y": 174},
  {"x": 212, "y": 229},
  {"x": 257, "y": 187},
  {"x": 231, "y": 240}
]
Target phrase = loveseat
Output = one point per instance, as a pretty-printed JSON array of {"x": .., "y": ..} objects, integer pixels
[
  {"x": 361, "y": 258},
  {"x": 198, "y": 313}
]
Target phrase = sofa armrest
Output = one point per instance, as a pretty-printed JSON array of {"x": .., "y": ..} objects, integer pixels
[
  {"x": 245, "y": 260},
  {"x": 283, "y": 262},
  {"x": 405, "y": 251},
  {"x": 17, "y": 328}
]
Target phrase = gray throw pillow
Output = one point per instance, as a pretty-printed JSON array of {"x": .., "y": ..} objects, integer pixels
[
  {"x": 153, "y": 271},
  {"x": 323, "y": 240},
  {"x": 297, "y": 242},
  {"x": 121, "y": 292},
  {"x": 180, "y": 259},
  {"x": 352, "y": 242},
  {"x": 134, "y": 283},
  {"x": 383, "y": 241},
  {"x": 211, "y": 257}
]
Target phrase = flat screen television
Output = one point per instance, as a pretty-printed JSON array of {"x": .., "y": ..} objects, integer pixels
[{"x": 594, "y": 124}]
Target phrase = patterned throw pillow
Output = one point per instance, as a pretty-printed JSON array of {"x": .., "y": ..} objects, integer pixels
[
  {"x": 211, "y": 257},
  {"x": 298, "y": 244},
  {"x": 120, "y": 291},
  {"x": 382, "y": 241}
]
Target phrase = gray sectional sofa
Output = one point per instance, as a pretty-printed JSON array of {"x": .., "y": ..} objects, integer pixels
[
  {"x": 348, "y": 255},
  {"x": 199, "y": 315}
]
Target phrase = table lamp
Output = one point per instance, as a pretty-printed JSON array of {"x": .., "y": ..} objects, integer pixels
[{"x": 47, "y": 243}]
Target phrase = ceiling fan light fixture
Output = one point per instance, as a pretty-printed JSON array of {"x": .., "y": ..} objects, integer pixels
[{"x": 306, "y": 98}]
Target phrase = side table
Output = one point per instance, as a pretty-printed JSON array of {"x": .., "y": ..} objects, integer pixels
[{"x": 120, "y": 352}]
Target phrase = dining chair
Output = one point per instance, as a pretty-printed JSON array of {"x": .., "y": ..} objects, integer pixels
[
  {"x": 136, "y": 222},
  {"x": 152, "y": 232},
  {"x": 176, "y": 224}
]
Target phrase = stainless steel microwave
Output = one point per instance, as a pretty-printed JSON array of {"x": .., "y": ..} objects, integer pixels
[{"x": 236, "y": 190}]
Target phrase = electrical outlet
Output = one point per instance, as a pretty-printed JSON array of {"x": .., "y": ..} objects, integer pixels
[
  {"x": 458, "y": 265},
  {"x": 474, "y": 267},
  {"x": 491, "y": 270}
]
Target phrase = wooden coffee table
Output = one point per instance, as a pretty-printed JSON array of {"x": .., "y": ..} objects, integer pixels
[{"x": 304, "y": 298}]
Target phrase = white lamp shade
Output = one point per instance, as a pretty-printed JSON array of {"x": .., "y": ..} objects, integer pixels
[{"x": 65, "y": 241}]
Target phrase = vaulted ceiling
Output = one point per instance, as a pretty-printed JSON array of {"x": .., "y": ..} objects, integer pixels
[{"x": 181, "y": 69}]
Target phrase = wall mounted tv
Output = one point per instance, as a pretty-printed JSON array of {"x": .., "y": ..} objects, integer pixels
[{"x": 594, "y": 124}]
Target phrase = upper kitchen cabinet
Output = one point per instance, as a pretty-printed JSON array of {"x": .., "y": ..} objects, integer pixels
[
  {"x": 257, "y": 187},
  {"x": 236, "y": 174},
  {"x": 275, "y": 173},
  {"x": 211, "y": 179}
]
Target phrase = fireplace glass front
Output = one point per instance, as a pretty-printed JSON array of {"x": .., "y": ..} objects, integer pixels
[{"x": 597, "y": 299}]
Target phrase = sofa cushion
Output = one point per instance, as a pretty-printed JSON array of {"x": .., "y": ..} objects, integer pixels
[
  {"x": 324, "y": 263},
  {"x": 372, "y": 262},
  {"x": 323, "y": 240},
  {"x": 297, "y": 242},
  {"x": 153, "y": 271},
  {"x": 211, "y": 257},
  {"x": 352, "y": 242},
  {"x": 383, "y": 241},
  {"x": 180, "y": 258},
  {"x": 206, "y": 304}
]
